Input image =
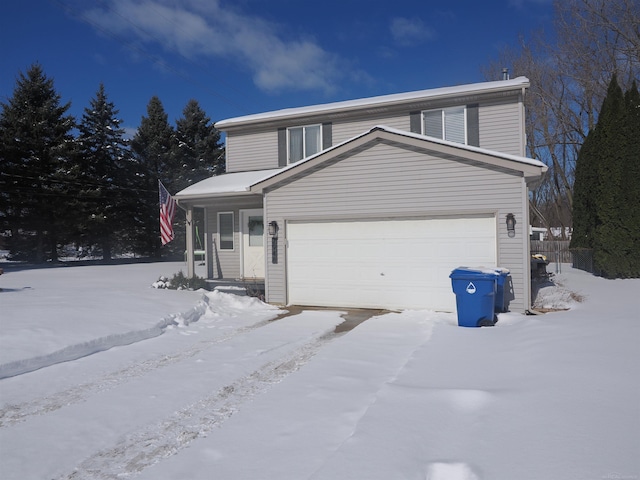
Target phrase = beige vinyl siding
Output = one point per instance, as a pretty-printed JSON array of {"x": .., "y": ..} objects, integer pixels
[
  {"x": 226, "y": 263},
  {"x": 345, "y": 129},
  {"x": 252, "y": 151},
  {"x": 501, "y": 124},
  {"x": 500, "y": 128},
  {"x": 384, "y": 182}
]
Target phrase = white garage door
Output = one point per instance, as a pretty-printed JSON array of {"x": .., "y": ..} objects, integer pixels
[{"x": 395, "y": 264}]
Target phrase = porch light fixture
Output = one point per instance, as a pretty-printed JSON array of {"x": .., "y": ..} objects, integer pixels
[
  {"x": 273, "y": 228},
  {"x": 511, "y": 225}
]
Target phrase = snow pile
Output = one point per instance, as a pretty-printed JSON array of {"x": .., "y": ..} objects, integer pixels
[
  {"x": 554, "y": 295},
  {"x": 162, "y": 282}
]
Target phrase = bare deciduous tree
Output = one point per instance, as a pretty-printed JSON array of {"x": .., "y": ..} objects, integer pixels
[{"x": 570, "y": 69}]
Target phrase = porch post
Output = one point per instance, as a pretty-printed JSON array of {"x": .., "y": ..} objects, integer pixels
[
  {"x": 190, "y": 256},
  {"x": 208, "y": 250}
]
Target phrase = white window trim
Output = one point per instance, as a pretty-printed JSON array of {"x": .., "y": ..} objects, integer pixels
[
  {"x": 444, "y": 126},
  {"x": 304, "y": 140},
  {"x": 233, "y": 236}
]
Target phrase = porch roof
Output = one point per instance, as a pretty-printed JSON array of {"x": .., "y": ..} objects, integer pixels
[{"x": 227, "y": 184}]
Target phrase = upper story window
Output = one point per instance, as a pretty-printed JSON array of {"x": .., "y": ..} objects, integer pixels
[
  {"x": 446, "y": 123},
  {"x": 303, "y": 142}
]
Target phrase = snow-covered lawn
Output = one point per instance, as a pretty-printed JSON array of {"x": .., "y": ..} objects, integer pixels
[{"x": 104, "y": 377}]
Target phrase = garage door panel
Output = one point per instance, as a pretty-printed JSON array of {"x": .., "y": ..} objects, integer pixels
[{"x": 384, "y": 263}]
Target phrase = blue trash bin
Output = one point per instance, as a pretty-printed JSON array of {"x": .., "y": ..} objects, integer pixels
[
  {"x": 475, "y": 296},
  {"x": 501, "y": 284}
]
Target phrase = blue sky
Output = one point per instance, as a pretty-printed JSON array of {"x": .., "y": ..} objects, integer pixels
[{"x": 248, "y": 56}]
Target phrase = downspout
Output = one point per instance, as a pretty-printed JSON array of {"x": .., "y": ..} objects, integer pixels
[
  {"x": 526, "y": 245},
  {"x": 523, "y": 124},
  {"x": 267, "y": 247},
  {"x": 525, "y": 211}
]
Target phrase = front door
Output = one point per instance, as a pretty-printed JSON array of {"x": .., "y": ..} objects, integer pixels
[{"x": 252, "y": 223}]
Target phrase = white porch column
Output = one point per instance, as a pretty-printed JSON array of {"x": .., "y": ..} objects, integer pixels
[{"x": 189, "y": 225}]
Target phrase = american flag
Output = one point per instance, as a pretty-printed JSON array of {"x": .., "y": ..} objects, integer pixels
[{"x": 167, "y": 211}]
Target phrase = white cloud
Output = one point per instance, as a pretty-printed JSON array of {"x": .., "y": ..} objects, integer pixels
[
  {"x": 410, "y": 31},
  {"x": 206, "y": 28}
]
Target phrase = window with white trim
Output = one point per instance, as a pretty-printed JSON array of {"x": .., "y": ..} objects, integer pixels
[
  {"x": 303, "y": 142},
  {"x": 225, "y": 231},
  {"x": 446, "y": 123}
]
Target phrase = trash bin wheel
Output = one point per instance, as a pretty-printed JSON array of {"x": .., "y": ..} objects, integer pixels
[{"x": 485, "y": 322}]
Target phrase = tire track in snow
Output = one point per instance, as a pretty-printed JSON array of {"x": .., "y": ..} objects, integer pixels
[
  {"x": 167, "y": 437},
  {"x": 12, "y": 414}
]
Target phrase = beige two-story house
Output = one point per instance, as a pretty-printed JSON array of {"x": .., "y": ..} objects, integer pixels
[{"x": 373, "y": 202}]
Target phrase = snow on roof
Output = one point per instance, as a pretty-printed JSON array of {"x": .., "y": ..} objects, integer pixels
[
  {"x": 228, "y": 183},
  {"x": 482, "y": 87}
]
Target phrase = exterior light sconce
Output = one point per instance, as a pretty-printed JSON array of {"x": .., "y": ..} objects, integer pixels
[
  {"x": 273, "y": 233},
  {"x": 273, "y": 229},
  {"x": 511, "y": 225}
]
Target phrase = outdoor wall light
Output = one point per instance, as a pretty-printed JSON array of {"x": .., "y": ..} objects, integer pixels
[
  {"x": 273, "y": 228},
  {"x": 273, "y": 233},
  {"x": 511, "y": 225}
]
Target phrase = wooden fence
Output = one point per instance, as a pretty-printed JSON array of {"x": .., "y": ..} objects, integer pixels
[{"x": 554, "y": 250}]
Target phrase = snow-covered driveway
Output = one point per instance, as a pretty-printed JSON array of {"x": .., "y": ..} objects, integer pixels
[{"x": 225, "y": 392}]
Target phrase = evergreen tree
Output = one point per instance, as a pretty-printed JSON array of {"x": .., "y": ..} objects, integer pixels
[
  {"x": 630, "y": 187},
  {"x": 198, "y": 155},
  {"x": 36, "y": 148},
  {"x": 152, "y": 146},
  {"x": 605, "y": 186},
  {"x": 105, "y": 168},
  {"x": 609, "y": 255},
  {"x": 198, "y": 152},
  {"x": 586, "y": 179}
]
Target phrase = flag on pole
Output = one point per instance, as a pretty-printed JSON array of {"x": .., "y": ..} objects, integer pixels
[{"x": 167, "y": 212}]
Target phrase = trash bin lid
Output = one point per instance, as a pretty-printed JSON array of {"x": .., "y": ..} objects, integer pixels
[{"x": 480, "y": 272}]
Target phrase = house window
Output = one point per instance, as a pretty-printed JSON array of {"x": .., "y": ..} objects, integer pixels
[
  {"x": 256, "y": 231},
  {"x": 225, "y": 230},
  {"x": 304, "y": 141},
  {"x": 446, "y": 123}
]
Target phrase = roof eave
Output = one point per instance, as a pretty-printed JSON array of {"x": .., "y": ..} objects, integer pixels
[
  {"x": 186, "y": 199},
  {"x": 391, "y": 100}
]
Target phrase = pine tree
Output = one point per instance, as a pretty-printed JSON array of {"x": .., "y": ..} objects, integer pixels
[
  {"x": 105, "y": 169},
  {"x": 198, "y": 152},
  {"x": 36, "y": 147},
  {"x": 153, "y": 147},
  {"x": 198, "y": 155}
]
